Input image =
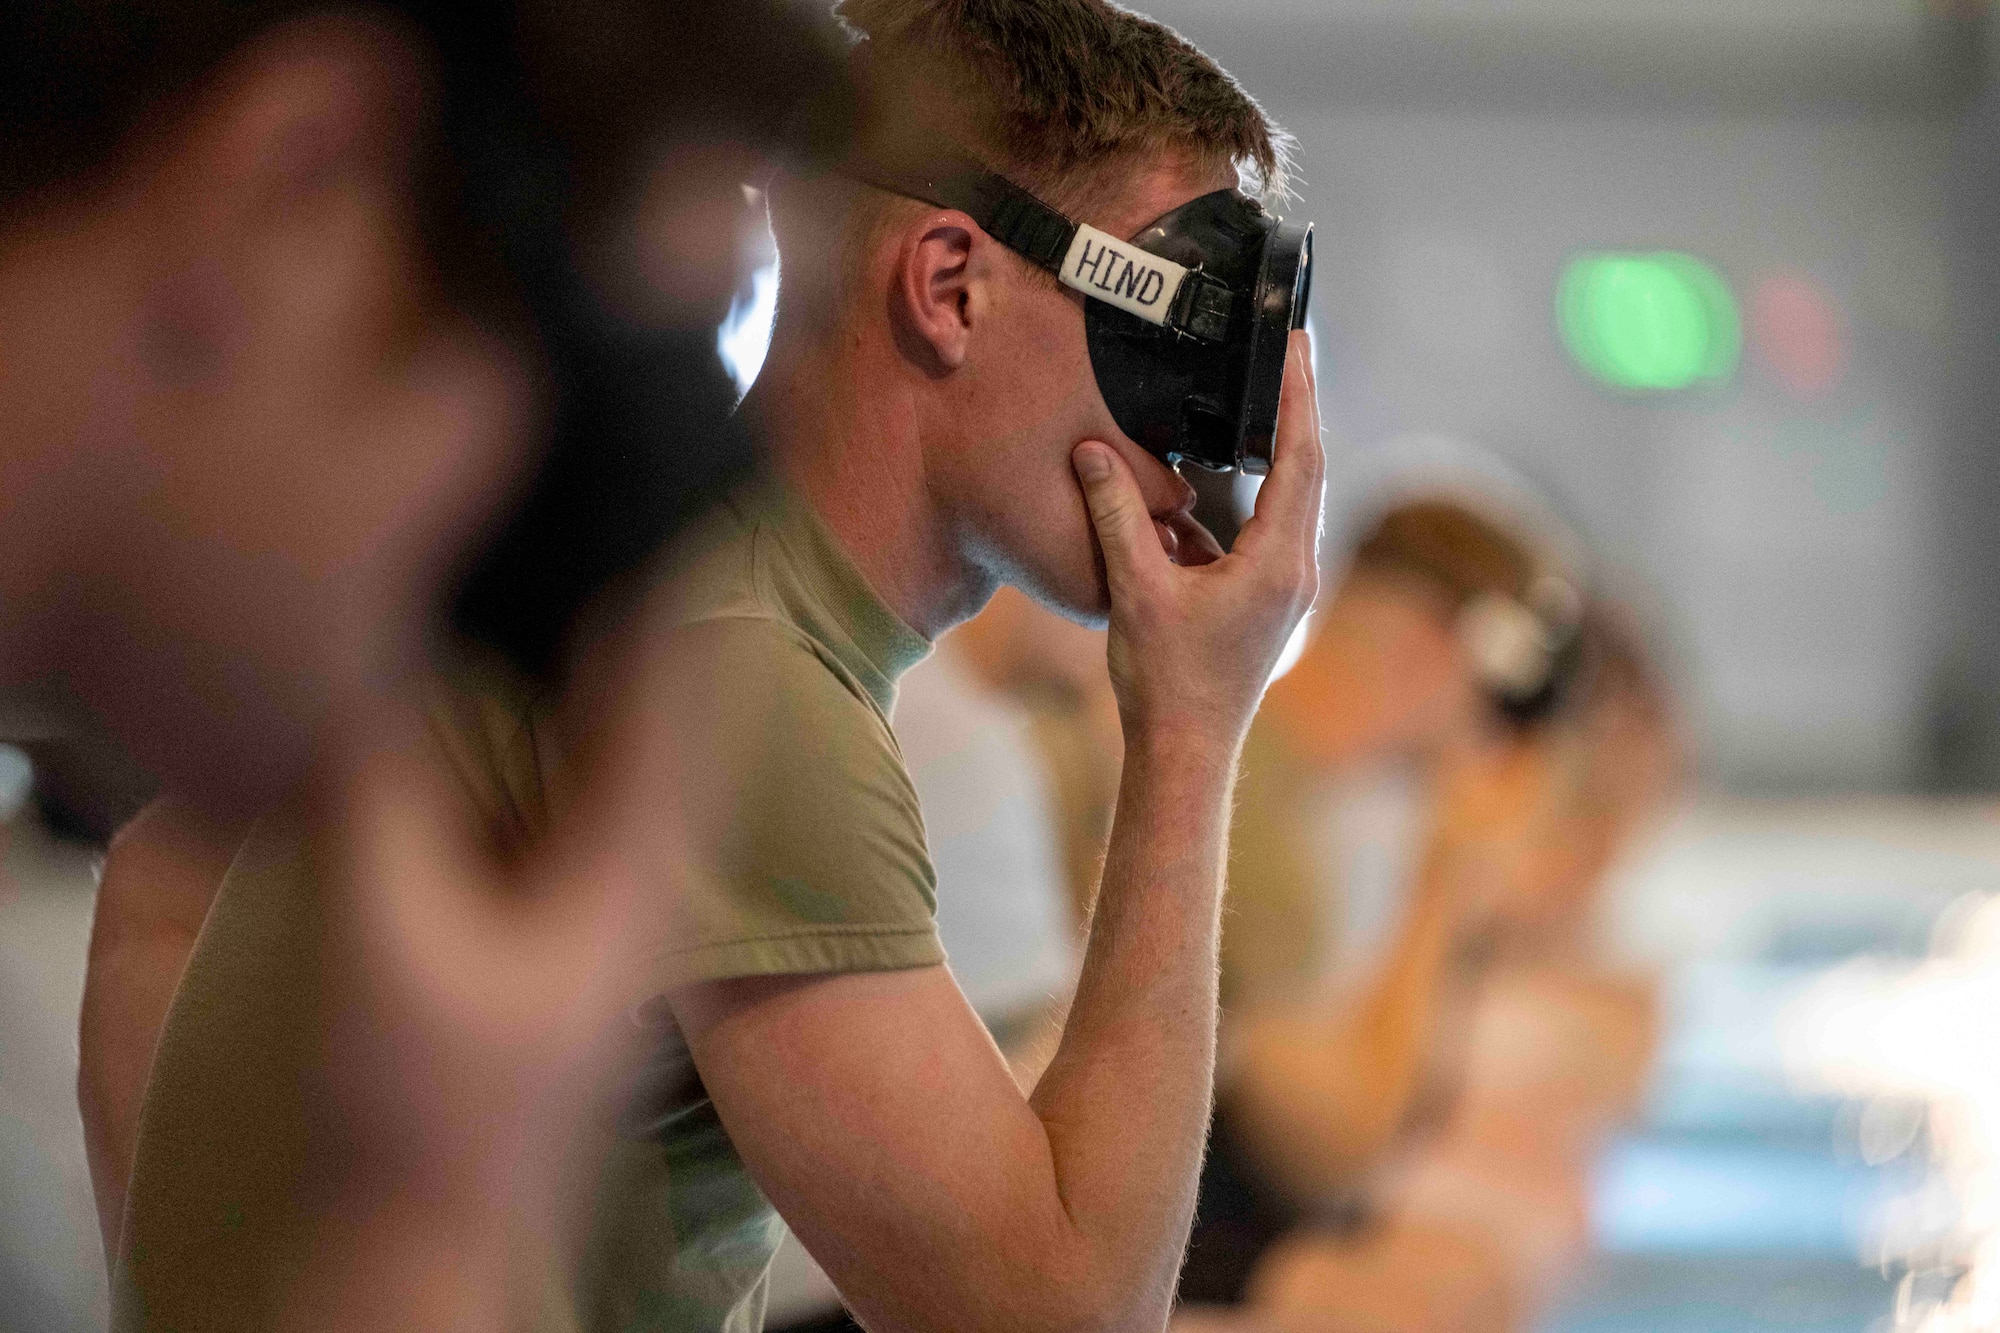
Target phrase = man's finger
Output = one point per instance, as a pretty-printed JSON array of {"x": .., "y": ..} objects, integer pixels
[
  {"x": 1132, "y": 552},
  {"x": 1288, "y": 502},
  {"x": 1194, "y": 544}
]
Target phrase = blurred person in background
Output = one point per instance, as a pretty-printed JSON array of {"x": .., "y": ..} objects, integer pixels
[
  {"x": 935, "y": 428},
  {"x": 1004, "y": 912},
  {"x": 1471, "y": 1224},
  {"x": 1529, "y": 742},
  {"x": 1452, "y": 642},
  {"x": 280, "y": 328}
]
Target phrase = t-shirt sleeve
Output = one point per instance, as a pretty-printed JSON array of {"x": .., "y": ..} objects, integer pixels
[{"x": 807, "y": 844}]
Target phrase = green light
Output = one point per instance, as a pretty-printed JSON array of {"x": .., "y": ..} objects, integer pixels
[{"x": 1654, "y": 321}]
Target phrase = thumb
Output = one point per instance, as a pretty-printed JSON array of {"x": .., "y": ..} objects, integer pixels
[{"x": 1118, "y": 512}]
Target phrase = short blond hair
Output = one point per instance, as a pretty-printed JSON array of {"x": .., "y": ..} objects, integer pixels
[
  {"x": 1050, "y": 89},
  {"x": 1061, "y": 96}
]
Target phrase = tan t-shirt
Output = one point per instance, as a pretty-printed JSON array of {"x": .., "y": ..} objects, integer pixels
[{"x": 810, "y": 857}]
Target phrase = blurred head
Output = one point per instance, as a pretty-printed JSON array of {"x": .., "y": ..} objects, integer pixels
[
  {"x": 1394, "y": 662},
  {"x": 1107, "y": 116},
  {"x": 285, "y": 322}
]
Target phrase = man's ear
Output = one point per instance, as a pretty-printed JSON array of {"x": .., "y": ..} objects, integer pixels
[
  {"x": 282, "y": 205},
  {"x": 939, "y": 288}
]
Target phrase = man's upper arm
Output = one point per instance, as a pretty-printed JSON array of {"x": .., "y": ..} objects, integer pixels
[
  {"x": 876, "y": 1113},
  {"x": 855, "y": 1081}
]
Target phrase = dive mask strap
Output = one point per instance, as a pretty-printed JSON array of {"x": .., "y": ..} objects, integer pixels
[{"x": 1093, "y": 262}]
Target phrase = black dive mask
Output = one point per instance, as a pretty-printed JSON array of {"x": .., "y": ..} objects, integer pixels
[{"x": 1187, "y": 322}]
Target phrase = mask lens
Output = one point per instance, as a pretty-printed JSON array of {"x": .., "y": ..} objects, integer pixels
[
  {"x": 1208, "y": 400},
  {"x": 1284, "y": 283}
]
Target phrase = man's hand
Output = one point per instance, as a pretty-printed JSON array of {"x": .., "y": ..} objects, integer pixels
[{"x": 1192, "y": 645}]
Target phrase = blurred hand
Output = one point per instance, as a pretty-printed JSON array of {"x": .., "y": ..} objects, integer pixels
[
  {"x": 1192, "y": 645},
  {"x": 475, "y": 1015},
  {"x": 1499, "y": 800}
]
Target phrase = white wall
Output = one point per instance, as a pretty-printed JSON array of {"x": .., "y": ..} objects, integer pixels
[{"x": 1790, "y": 545}]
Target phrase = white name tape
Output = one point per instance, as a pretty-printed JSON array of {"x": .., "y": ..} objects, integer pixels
[{"x": 1100, "y": 265}]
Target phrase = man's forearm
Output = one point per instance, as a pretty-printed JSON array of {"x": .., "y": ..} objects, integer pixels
[{"x": 1126, "y": 1100}]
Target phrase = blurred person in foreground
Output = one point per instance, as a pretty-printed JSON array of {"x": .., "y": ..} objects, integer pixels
[
  {"x": 276, "y": 341},
  {"x": 1473, "y": 1223},
  {"x": 934, "y": 428},
  {"x": 1408, "y": 1150},
  {"x": 279, "y": 342}
]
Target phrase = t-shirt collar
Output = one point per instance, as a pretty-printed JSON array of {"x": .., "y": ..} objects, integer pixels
[{"x": 847, "y": 616}]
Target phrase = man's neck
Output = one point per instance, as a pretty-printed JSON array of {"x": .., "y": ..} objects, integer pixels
[{"x": 850, "y": 444}]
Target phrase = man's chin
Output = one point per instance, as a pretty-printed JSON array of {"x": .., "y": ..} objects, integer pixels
[
  {"x": 1082, "y": 598},
  {"x": 1090, "y": 607}
]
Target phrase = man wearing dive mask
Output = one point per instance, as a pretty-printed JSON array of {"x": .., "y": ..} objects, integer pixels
[
  {"x": 940, "y": 419},
  {"x": 1187, "y": 321}
]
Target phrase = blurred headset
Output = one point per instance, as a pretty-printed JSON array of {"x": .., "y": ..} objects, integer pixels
[{"x": 1527, "y": 653}]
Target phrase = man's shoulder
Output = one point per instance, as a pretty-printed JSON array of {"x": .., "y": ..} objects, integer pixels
[
  {"x": 809, "y": 848},
  {"x": 720, "y": 567},
  {"x": 751, "y": 672},
  {"x": 778, "y": 737},
  {"x": 712, "y": 570},
  {"x": 718, "y": 607}
]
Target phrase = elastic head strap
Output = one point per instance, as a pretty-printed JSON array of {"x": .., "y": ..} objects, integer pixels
[
  {"x": 1007, "y": 213},
  {"x": 1095, "y": 263}
]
